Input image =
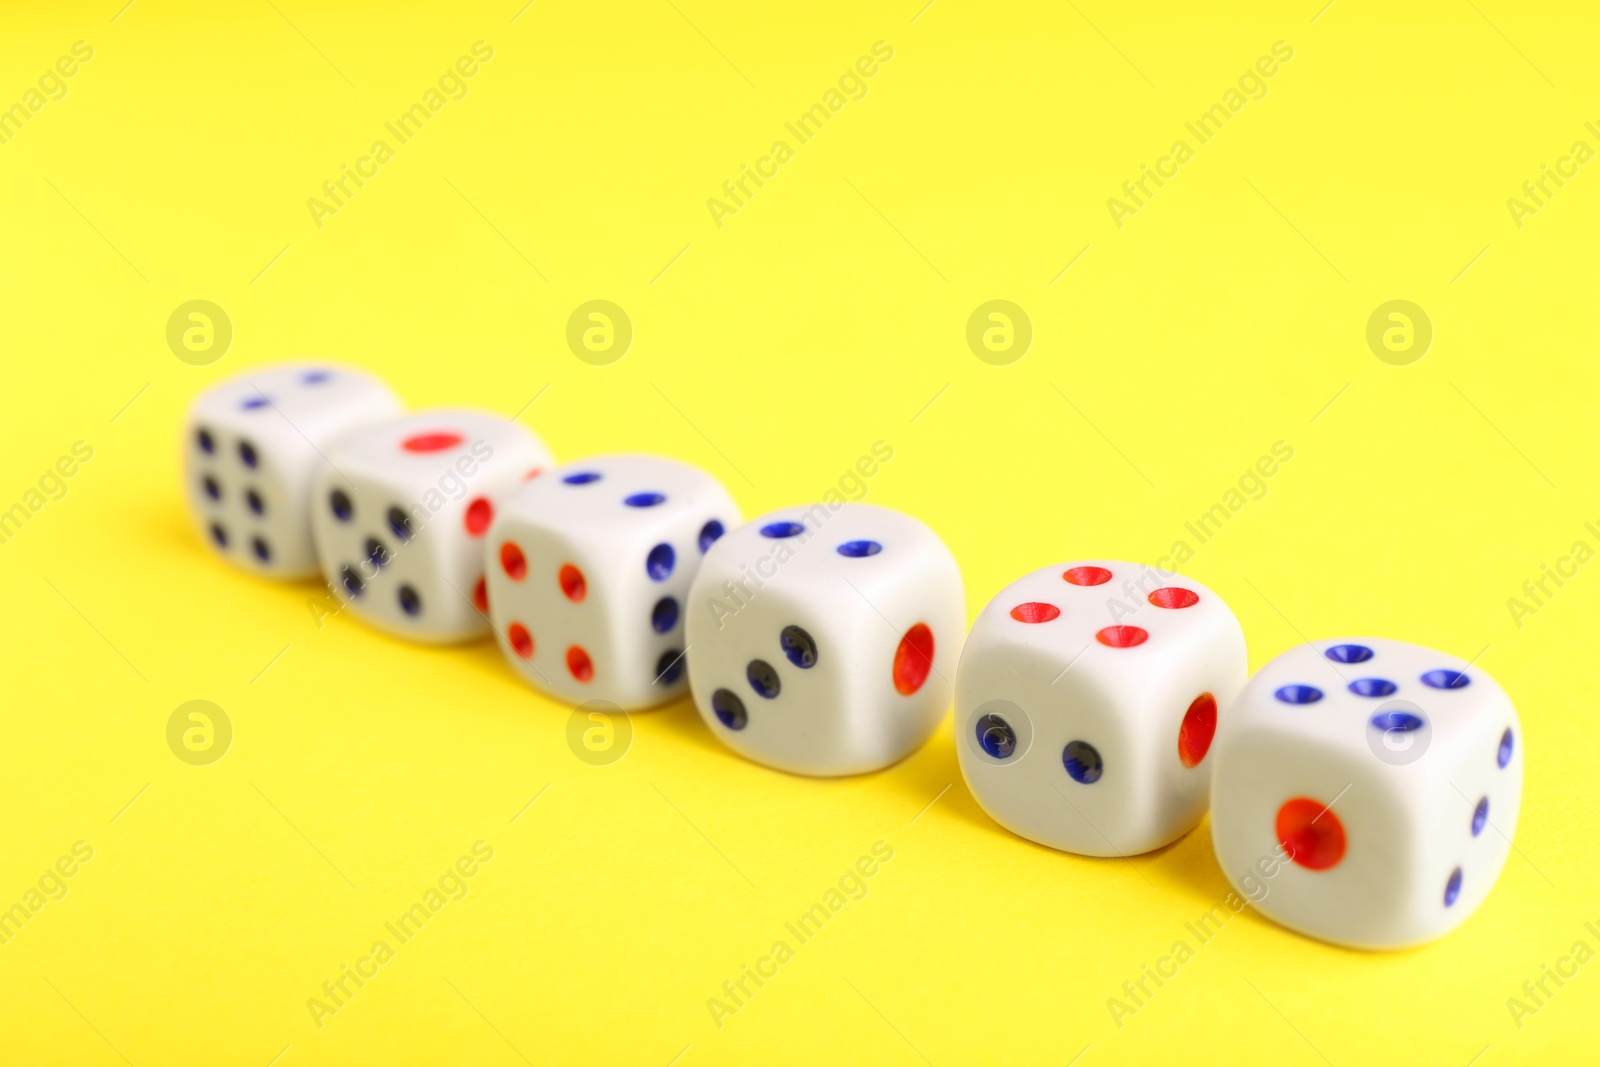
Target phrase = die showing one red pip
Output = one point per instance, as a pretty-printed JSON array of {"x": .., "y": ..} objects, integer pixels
[
  {"x": 1367, "y": 790},
  {"x": 400, "y": 514}
]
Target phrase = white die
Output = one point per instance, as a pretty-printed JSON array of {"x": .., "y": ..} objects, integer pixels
[
  {"x": 1086, "y": 701},
  {"x": 251, "y": 446},
  {"x": 399, "y": 518},
  {"x": 1366, "y": 790},
  {"x": 822, "y": 640},
  {"x": 589, "y": 568}
]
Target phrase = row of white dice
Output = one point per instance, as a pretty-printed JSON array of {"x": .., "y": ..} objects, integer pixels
[
  {"x": 824, "y": 639},
  {"x": 1361, "y": 790}
]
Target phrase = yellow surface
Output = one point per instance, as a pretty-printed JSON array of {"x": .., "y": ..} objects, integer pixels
[{"x": 1228, "y": 313}]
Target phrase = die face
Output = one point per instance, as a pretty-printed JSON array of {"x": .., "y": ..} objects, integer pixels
[
  {"x": 252, "y": 446},
  {"x": 401, "y": 514},
  {"x": 589, "y": 570},
  {"x": 1378, "y": 782},
  {"x": 823, "y": 640},
  {"x": 1086, "y": 702}
]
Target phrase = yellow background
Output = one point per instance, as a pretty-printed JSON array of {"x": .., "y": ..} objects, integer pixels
[{"x": 825, "y": 315}]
